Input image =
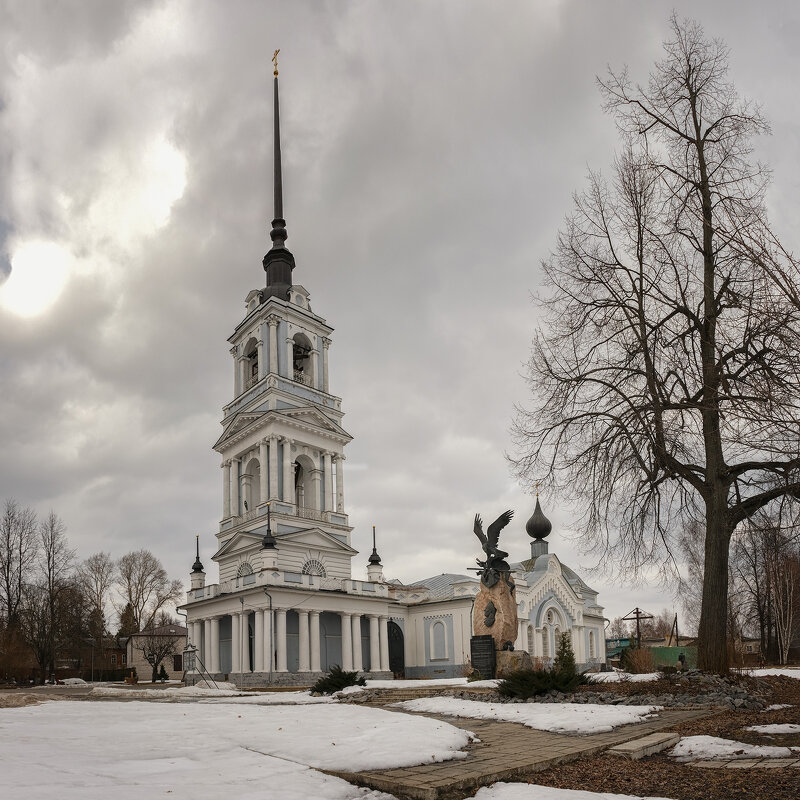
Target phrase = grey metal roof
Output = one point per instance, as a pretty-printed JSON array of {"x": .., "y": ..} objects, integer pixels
[{"x": 440, "y": 587}]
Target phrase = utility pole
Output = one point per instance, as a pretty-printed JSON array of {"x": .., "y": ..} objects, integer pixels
[{"x": 638, "y": 615}]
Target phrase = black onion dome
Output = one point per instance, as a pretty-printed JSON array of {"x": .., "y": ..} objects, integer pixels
[
  {"x": 374, "y": 558},
  {"x": 538, "y": 526},
  {"x": 197, "y": 566}
]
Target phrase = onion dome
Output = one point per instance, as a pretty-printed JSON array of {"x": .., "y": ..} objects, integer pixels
[{"x": 538, "y": 526}]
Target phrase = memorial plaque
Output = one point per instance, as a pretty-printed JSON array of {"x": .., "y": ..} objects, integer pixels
[{"x": 482, "y": 654}]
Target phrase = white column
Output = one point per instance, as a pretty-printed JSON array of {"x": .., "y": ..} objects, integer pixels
[
  {"x": 235, "y": 372},
  {"x": 269, "y": 643},
  {"x": 280, "y": 639},
  {"x": 207, "y": 644},
  {"x": 326, "y": 343},
  {"x": 235, "y": 466},
  {"x": 315, "y": 655},
  {"x": 374, "y": 644},
  {"x": 358, "y": 662},
  {"x": 258, "y": 643},
  {"x": 290, "y": 358},
  {"x": 327, "y": 469},
  {"x": 288, "y": 471},
  {"x": 384, "y": 623},
  {"x": 315, "y": 368},
  {"x": 245, "y": 616},
  {"x": 261, "y": 370},
  {"x": 226, "y": 489},
  {"x": 304, "y": 662},
  {"x": 236, "y": 643},
  {"x": 340, "y": 483},
  {"x": 213, "y": 667},
  {"x": 243, "y": 376},
  {"x": 273, "y": 467},
  {"x": 262, "y": 458},
  {"x": 196, "y": 630},
  {"x": 316, "y": 488},
  {"x": 272, "y": 321},
  {"x": 347, "y": 643}
]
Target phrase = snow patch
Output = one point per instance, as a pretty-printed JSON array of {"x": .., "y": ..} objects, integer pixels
[
  {"x": 787, "y": 728},
  {"x": 626, "y": 677},
  {"x": 695, "y": 748},
  {"x": 527, "y": 791}
]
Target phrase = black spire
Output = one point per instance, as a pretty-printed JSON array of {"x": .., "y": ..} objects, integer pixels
[
  {"x": 197, "y": 566},
  {"x": 374, "y": 558},
  {"x": 278, "y": 262},
  {"x": 268, "y": 542},
  {"x": 538, "y": 526}
]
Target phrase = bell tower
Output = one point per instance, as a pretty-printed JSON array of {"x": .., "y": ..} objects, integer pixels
[{"x": 282, "y": 441}]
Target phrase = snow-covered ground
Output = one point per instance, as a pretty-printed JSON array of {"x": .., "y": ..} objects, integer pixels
[
  {"x": 554, "y": 717},
  {"x": 89, "y": 751},
  {"x": 526, "y": 791},
  {"x": 786, "y": 728},
  {"x": 616, "y": 677},
  {"x": 776, "y": 707},
  {"x": 789, "y": 672},
  {"x": 695, "y": 748}
]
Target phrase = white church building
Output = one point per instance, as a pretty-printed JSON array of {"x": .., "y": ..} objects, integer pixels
[{"x": 286, "y": 607}]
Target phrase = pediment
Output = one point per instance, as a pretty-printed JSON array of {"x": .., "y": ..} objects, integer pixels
[
  {"x": 317, "y": 539},
  {"x": 237, "y": 424},
  {"x": 311, "y": 415},
  {"x": 240, "y": 541}
]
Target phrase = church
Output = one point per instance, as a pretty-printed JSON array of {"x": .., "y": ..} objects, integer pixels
[{"x": 286, "y": 607}]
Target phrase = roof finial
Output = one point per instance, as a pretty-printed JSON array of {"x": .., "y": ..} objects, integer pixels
[
  {"x": 278, "y": 262},
  {"x": 374, "y": 558},
  {"x": 197, "y": 566}
]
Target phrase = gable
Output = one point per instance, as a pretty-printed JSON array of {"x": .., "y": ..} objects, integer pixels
[
  {"x": 242, "y": 540},
  {"x": 311, "y": 415},
  {"x": 317, "y": 539}
]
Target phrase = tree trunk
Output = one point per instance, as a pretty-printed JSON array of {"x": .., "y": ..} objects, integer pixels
[{"x": 712, "y": 632}]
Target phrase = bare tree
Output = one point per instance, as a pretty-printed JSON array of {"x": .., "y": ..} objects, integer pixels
[
  {"x": 18, "y": 547},
  {"x": 666, "y": 376},
  {"x": 145, "y": 587},
  {"x": 155, "y": 646},
  {"x": 97, "y": 575}
]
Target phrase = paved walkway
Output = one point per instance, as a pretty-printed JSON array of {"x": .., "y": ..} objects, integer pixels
[{"x": 506, "y": 751}]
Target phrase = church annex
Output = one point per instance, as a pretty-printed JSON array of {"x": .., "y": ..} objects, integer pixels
[{"x": 286, "y": 607}]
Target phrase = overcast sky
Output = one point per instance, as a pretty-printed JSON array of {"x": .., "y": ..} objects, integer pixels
[{"x": 430, "y": 153}]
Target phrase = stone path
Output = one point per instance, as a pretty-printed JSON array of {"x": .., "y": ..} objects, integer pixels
[{"x": 506, "y": 751}]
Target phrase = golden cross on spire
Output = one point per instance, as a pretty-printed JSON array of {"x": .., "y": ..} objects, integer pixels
[
  {"x": 537, "y": 488},
  {"x": 275, "y": 62}
]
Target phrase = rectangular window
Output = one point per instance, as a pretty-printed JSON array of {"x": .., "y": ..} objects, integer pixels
[
  {"x": 177, "y": 663},
  {"x": 124, "y": 658},
  {"x": 113, "y": 659}
]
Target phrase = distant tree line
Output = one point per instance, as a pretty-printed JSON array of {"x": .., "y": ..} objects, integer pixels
[{"x": 54, "y": 608}]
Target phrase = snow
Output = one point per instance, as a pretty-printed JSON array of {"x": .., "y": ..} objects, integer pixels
[
  {"x": 89, "y": 751},
  {"x": 616, "y": 677},
  {"x": 693, "y": 748},
  {"x": 411, "y": 684},
  {"x": 787, "y": 672},
  {"x": 787, "y": 728},
  {"x": 226, "y": 693},
  {"x": 526, "y": 791},
  {"x": 554, "y": 717},
  {"x": 73, "y": 682},
  {"x": 776, "y": 707}
]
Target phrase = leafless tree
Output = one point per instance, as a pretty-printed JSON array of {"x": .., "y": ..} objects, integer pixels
[
  {"x": 157, "y": 646},
  {"x": 666, "y": 374},
  {"x": 97, "y": 575},
  {"x": 145, "y": 587},
  {"x": 18, "y": 546}
]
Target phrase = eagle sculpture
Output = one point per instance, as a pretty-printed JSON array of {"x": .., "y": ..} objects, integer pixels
[{"x": 495, "y": 562}]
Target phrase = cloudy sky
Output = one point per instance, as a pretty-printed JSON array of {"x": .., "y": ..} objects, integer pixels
[{"x": 430, "y": 153}]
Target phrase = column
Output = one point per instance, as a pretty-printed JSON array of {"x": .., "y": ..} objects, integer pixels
[
  {"x": 269, "y": 643},
  {"x": 272, "y": 321},
  {"x": 340, "y": 483},
  {"x": 235, "y": 372},
  {"x": 290, "y": 358},
  {"x": 235, "y": 507},
  {"x": 245, "y": 616},
  {"x": 288, "y": 471},
  {"x": 262, "y": 458},
  {"x": 261, "y": 371},
  {"x": 374, "y": 644},
  {"x": 273, "y": 467},
  {"x": 358, "y": 664},
  {"x": 258, "y": 643},
  {"x": 384, "y": 624},
  {"x": 316, "y": 488},
  {"x": 196, "y": 634},
  {"x": 326, "y": 343},
  {"x": 207, "y": 644},
  {"x": 304, "y": 661},
  {"x": 315, "y": 368},
  {"x": 280, "y": 639},
  {"x": 243, "y": 376},
  {"x": 327, "y": 470},
  {"x": 236, "y": 643},
  {"x": 226, "y": 489},
  {"x": 213, "y": 666},
  {"x": 347, "y": 643},
  {"x": 315, "y": 656}
]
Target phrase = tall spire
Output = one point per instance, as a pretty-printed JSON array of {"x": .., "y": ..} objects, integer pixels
[
  {"x": 374, "y": 558},
  {"x": 197, "y": 566},
  {"x": 278, "y": 262}
]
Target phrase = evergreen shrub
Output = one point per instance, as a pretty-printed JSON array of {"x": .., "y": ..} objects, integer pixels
[{"x": 336, "y": 680}]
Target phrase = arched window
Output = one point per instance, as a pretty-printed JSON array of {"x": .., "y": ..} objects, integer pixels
[
  {"x": 301, "y": 359},
  {"x": 245, "y": 573},
  {"x": 251, "y": 365},
  {"x": 591, "y": 644},
  {"x": 438, "y": 641},
  {"x": 314, "y": 567}
]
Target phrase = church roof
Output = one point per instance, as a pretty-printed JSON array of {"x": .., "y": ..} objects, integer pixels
[
  {"x": 440, "y": 587},
  {"x": 536, "y": 567}
]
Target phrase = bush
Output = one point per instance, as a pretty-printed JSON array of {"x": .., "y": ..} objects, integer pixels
[
  {"x": 636, "y": 660},
  {"x": 563, "y": 677},
  {"x": 336, "y": 680},
  {"x": 162, "y": 674}
]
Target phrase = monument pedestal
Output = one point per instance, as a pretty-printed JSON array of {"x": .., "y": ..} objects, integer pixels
[
  {"x": 482, "y": 655},
  {"x": 495, "y": 612},
  {"x": 508, "y": 661}
]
